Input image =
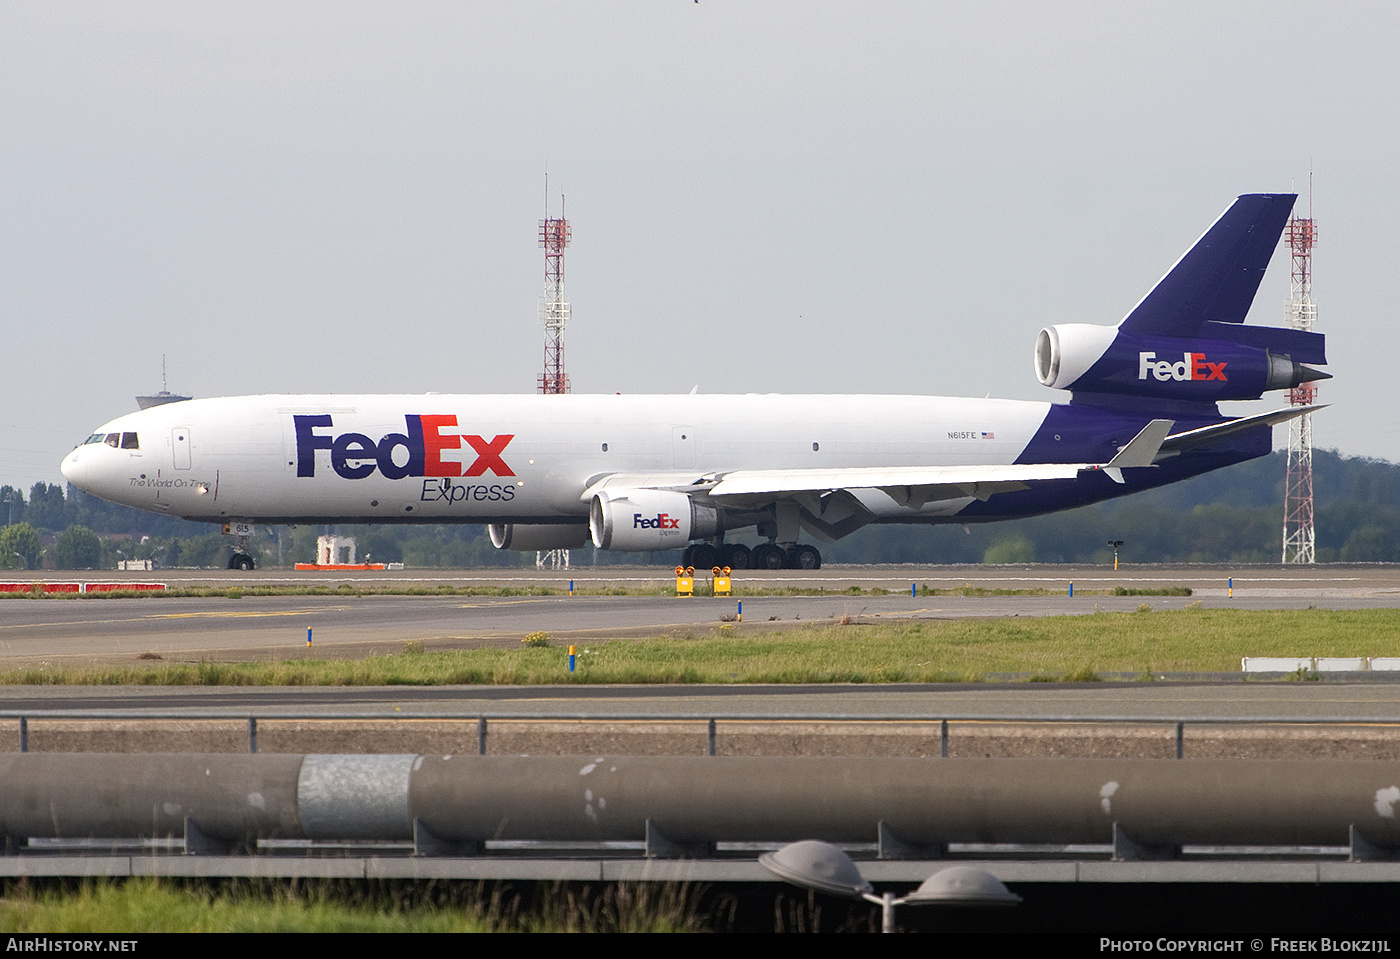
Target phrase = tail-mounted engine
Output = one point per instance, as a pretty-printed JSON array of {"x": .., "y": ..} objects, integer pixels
[{"x": 1230, "y": 362}]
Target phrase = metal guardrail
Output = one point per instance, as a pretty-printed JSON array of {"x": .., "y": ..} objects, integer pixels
[{"x": 483, "y": 720}]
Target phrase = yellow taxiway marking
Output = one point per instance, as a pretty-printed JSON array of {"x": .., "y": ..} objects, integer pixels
[
  {"x": 141, "y": 619},
  {"x": 513, "y": 602},
  {"x": 232, "y": 614}
]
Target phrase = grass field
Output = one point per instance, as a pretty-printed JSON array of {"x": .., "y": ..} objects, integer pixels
[
  {"x": 1053, "y": 647},
  {"x": 146, "y": 905}
]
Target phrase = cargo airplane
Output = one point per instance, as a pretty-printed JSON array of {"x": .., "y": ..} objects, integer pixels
[{"x": 641, "y": 473}]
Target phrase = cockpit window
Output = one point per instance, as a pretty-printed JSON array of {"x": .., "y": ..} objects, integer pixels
[
  {"x": 130, "y": 442},
  {"x": 94, "y": 438},
  {"x": 113, "y": 439}
]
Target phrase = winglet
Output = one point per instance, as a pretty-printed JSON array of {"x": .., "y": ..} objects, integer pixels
[{"x": 1141, "y": 449}]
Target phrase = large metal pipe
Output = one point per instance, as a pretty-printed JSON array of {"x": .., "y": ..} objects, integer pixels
[
  {"x": 702, "y": 799},
  {"x": 68, "y": 795},
  {"x": 925, "y": 801}
]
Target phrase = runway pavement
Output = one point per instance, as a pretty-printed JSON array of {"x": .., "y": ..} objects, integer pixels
[
  {"x": 1375, "y": 580},
  {"x": 95, "y": 629}
]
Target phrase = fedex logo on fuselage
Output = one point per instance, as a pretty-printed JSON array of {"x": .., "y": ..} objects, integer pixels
[
  {"x": 355, "y": 455},
  {"x": 1193, "y": 366},
  {"x": 659, "y": 521}
]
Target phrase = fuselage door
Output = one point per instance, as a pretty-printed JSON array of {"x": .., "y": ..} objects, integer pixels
[
  {"x": 180, "y": 446},
  {"x": 684, "y": 449}
]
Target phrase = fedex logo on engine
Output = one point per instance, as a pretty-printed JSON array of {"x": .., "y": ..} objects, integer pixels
[
  {"x": 1193, "y": 366},
  {"x": 659, "y": 521},
  {"x": 415, "y": 452}
]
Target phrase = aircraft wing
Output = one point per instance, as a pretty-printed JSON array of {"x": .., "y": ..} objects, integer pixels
[
  {"x": 681, "y": 482},
  {"x": 915, "y": 485},
  {"x": 910, "y": 486}
]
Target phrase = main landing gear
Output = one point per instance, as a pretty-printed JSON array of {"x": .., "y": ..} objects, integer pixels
[
  {"x": 762, "y": 556},
  {"x": 707, "y": 556},
  {"x": 240, "y": 561}
]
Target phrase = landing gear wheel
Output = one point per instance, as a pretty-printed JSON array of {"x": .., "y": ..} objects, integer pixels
[
  {"x": 240, "y": 561},
  {"x": 768, "y": 556},
  {"x": 736, "y": 555},
  {"x": 804, "y": 557},
  {"x": 703, "y": 556}
]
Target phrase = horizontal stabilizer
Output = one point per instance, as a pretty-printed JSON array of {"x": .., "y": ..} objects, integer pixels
[{"x": 1209, "y": 434}]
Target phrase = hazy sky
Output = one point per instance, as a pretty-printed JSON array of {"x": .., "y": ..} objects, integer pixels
[{"x": 795, "y": 197}]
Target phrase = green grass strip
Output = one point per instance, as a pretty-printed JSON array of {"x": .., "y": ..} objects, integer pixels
[{"x": 1053, "y": 647}]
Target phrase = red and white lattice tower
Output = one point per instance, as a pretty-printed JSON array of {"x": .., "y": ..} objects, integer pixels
[
  {"x": 554, "y": 314},
  {"x": 1298, "y": 533},
  {"x": 554, "y": 309}
]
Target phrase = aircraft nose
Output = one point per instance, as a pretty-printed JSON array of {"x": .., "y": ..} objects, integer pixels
[{"x": 74, "y": 468}]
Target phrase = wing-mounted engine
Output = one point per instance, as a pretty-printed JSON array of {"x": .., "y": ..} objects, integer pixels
[
  {"x": 532, "y": 537},
  {"x": 1233, "y": 363},
  {"x": 648, "y": 519}
]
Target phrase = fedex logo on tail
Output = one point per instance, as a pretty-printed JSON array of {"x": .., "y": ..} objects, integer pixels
[
  {"x": 1193, "y": 366},
  {"x": 355, "y": 455}
]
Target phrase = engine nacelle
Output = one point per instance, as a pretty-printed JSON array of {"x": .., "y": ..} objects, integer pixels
[
  {"x": 647, "y": 519},
  {"x": 538, "y": 536},
  {"x": 1104, "y": 359}
]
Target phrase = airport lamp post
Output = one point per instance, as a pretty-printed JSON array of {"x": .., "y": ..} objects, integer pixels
[
  {"x": 822, "y": 867},
  {"x": 1115, "y": 543}
]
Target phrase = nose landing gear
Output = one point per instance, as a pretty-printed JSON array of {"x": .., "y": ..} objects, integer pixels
[{"x": 242, "y": 557}]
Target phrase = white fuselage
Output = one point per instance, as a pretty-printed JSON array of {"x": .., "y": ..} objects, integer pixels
[{"x": 514, "y": 458}]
